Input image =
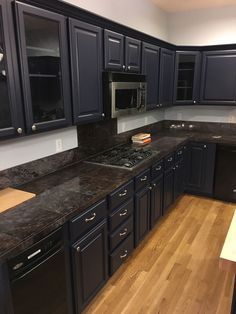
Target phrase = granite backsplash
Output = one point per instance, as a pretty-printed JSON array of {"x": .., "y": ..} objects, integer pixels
[{"x": 97, "y": 137}]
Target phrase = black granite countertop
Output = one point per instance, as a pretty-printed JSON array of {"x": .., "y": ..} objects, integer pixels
[{"x": 67, "y": 192}]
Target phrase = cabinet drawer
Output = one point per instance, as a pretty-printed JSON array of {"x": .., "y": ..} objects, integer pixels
[
  {"x": 169, "y": 161},
  {"x": 121, "y": 233},
  {"x": 157, "y": 169},
  {"x": 121, "y": 214},
  {"x": 179, "y": 155},
  {"x": 121, "y": 253},
  {"x": 142, "y": 179},
  {"x": 121, "y": 195},
  {"x": 88, "y": 219}
]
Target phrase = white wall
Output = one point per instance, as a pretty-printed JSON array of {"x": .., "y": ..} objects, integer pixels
[
  {"x": 203, "y": 27},
  {"x": 21, "y": 150},
  {"x": 142, "y": 15}
]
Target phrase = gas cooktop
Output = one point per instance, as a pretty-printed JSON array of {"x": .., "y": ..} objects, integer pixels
[{"x": 124, "y": 156}]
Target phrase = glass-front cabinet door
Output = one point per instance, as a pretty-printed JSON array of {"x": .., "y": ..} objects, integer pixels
[
  {"x": 45, "y": 70},
  {"x": 11, "y": 121},
  {"x": 186, "y": 85}
]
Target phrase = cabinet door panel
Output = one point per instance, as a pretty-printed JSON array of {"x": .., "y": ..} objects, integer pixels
[
  {"x": 150, "y": 68},
  {"x": 11, "y": 117},
  {"x": 87, "y": 71},
  {"x": 179, "y": 179},
  {"x": 186, "y": 86},
  {"x": 142, "y": 214},
  {"x": 45, "y": 71},
  {"x": 113, "y": 50},
  {"x": 168, "y": 189},
  {"x": 167, "y": 62},
  {"x": 156, "y": 200},
  {"x": 90, "y": 265},
  {"x": 132, "y": 54},
  {"x": 218, "y": 84}
]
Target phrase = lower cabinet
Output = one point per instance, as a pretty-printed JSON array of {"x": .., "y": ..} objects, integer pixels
[
  {"x": 156, "y": 200},
  {"x": 90, "y": 265},
  {"x": 179, "y": 173},
  {"x": 200, "y": 168},
  {"x": 142, "y": 214},
  {"x": 168, "y": 194}
]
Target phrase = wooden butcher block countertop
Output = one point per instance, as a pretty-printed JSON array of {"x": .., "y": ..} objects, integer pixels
[
  {"x": 11, "y": 197},
  {"x": 228, "y": 253}
]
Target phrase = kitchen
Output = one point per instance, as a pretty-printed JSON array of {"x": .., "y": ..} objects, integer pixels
[{"x": 90, "y": 222}]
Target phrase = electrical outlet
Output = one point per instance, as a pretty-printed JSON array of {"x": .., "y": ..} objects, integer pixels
[{"x": 59, "y": 145}]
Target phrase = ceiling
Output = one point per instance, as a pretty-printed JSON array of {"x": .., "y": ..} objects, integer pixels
[{"x": 187, "y": 5}]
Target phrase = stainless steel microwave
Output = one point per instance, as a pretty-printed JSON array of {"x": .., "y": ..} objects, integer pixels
[{"x": 124, "y": 94}]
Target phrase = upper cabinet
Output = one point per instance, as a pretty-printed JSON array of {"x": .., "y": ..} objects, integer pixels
[
  {"x": 121, "y": 53},
  {"x": 167, "y": 63},
  {"x": 45, "y": 70},
  {"x": 86, "y": 61},
  {"x": 186, "y": 85},
  {"x": 150, "y": 68},
  {"x": 11, "y": 118},
  {"x": 218, "y": 81}
]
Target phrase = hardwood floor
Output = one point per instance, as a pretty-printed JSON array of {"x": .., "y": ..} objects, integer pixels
[{"x": 175, "y": 269}]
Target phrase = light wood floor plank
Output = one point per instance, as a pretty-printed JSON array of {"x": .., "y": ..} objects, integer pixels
[{"x": 175, "y": 270}]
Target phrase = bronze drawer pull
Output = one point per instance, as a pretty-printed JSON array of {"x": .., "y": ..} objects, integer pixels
[
  {"x": 158, "y": 168},
  {"x": 143, "y": 179},
  {"x": 123, "y": 233},
  {"x": 124, "y": 213},
  {"x": 90, "y": 219},
  {"x": 170, "y": 159},
  {"x": 123, "y": 194},
  {"x": 123, "y": 256}
]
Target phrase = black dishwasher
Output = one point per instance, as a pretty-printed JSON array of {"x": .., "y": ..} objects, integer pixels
[
  {"x": 225, "y": 173},
  {"x": 38, "y": 278}
]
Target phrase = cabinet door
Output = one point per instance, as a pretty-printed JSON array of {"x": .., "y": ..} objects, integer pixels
[
  {"x": 201, "y": 164},
  {"x": 87, "y": 71},
  {"x": 132, "y": 54},
  {"x": 186, "y": 85},
  {"x": 150, "y": 68},
  {"x": 142, "y": 214},
  {"x": 218, "y": 83},
  {"x": 113, "y": 51},
  {"x": 168, "y": 194},
  {"x": 179, "y": 179},
  {"x": 11, "y": 117},
  {"x": 167, "y": 63},
  {"x": 90, "y": 265},
  {"x": 156, "y": 200},
  {"x": 45, "y": 71}
]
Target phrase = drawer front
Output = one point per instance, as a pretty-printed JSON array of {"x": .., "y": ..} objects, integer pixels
[
  {"x": 157, "y": 169},
  {"x": 121, "y": 233},
  {"x": 88, "y": 219},
  {"x": 121, "y": 253},
  {"x": 122, "y": 194},
  {"x": 179, "y": 155},
  {"x": 142, "y": 179},
  {"x": 169, "y": 161},
  {"x": 121, "y": 214}
]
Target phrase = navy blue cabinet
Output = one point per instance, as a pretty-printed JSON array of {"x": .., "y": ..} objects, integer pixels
[
  {"x": 90, "y": 265},
  {"x": 200, "y": 168},
  {"x": 168, "y": 194},
  {"x": 142, "y": 214},
  {"x": 179, "y": 172},
  {"x": 167, "y": 64},
  {"x": 218, "y": 85},
  {"x": 156, "y": 200},
  {"x": 121, "y": 53},
  {"x": 86, "y": 66},
  {"x": 187, "y": 77},
  {"x": 150, "y": 68},
  {"x": 11, "y": 116},
  {"x": 44, "y": 67}
]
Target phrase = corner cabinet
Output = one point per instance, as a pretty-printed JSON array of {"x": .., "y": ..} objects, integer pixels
[
  {"x": 167, "y": 64},
  {"x": 186, "y": 83},
  {"x": 121, "y": 53},
  {"x": 44, "y": 67},
  {"x": 11, "y": 117},
  {"x": 86, "y": 66},
  {"x": 218, "y": 84},
  {"x": 150, "y": 68}
]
